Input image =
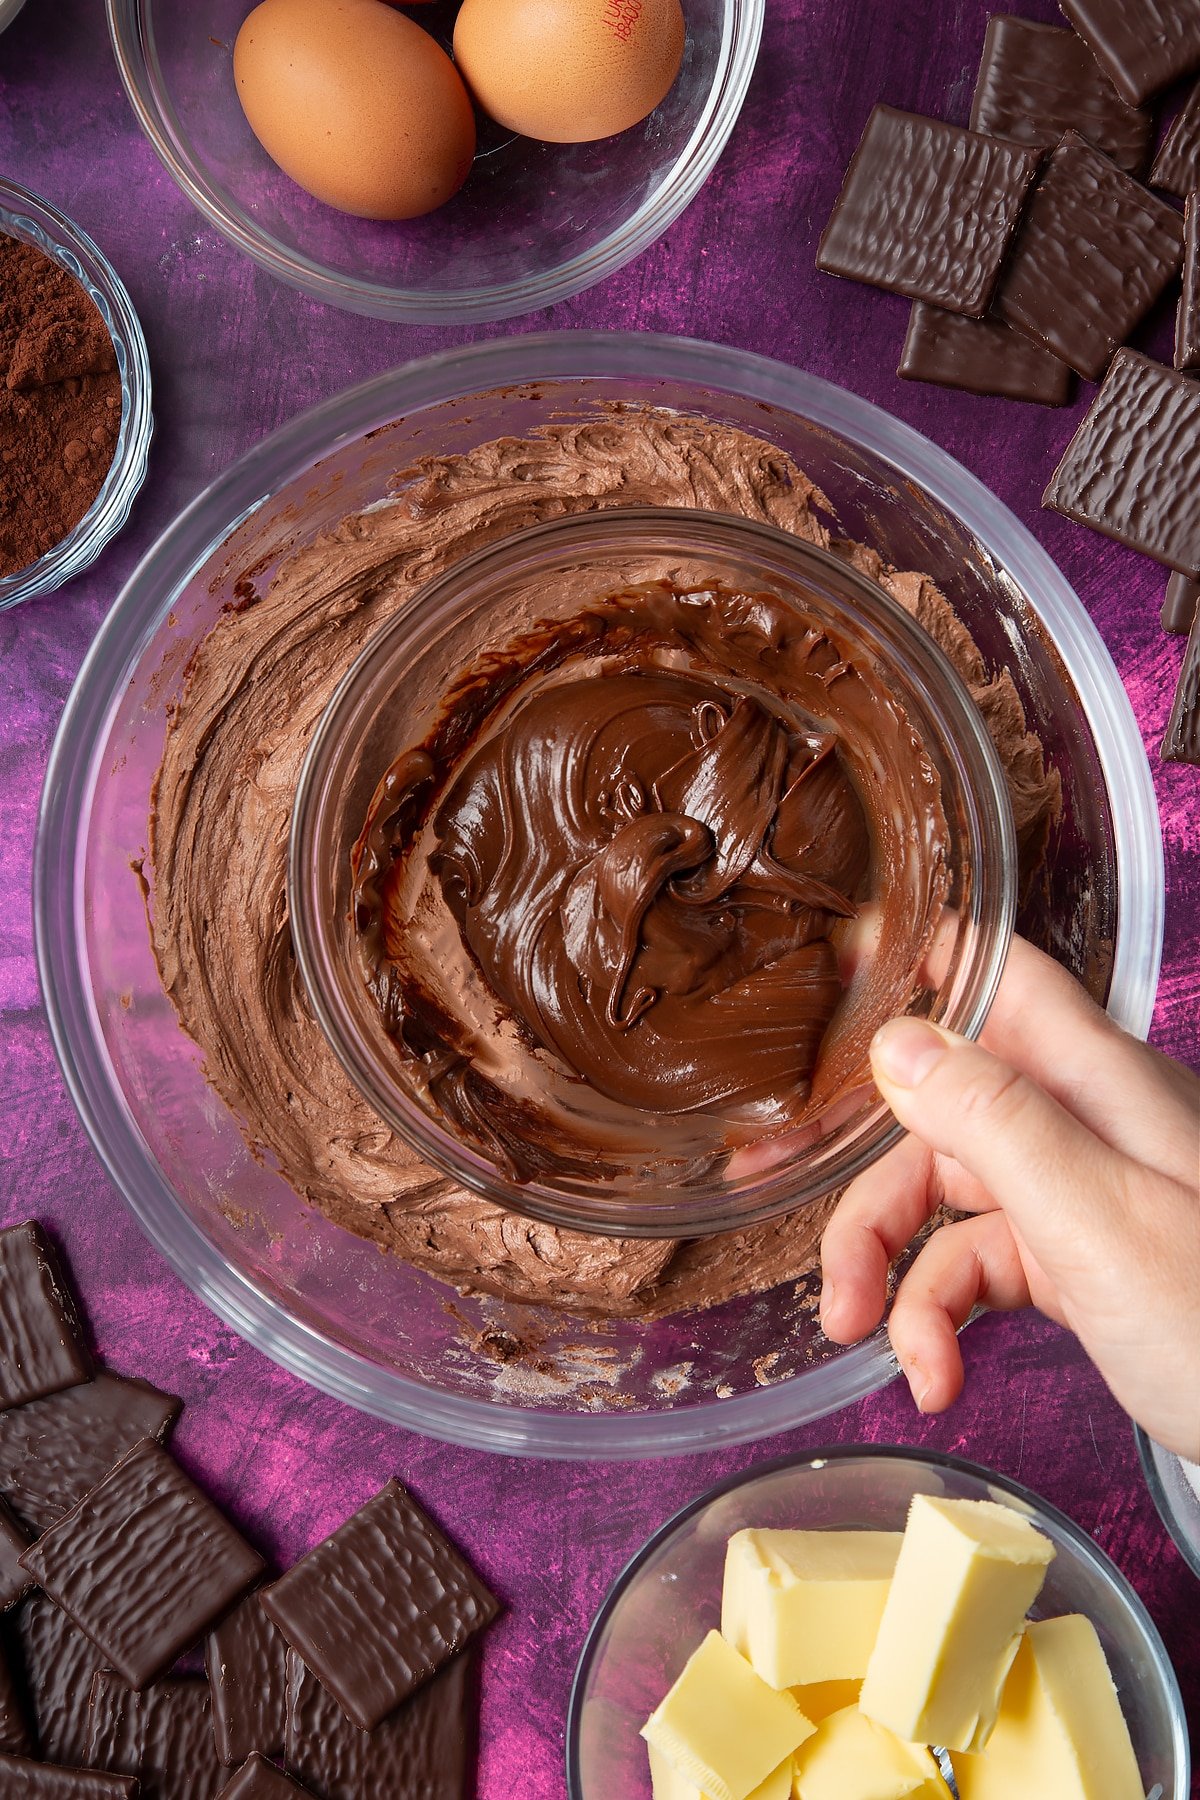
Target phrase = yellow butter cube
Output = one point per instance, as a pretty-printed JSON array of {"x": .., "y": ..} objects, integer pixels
[
  {"x": 967, "y": 1573},
  {"x": 1060, "y": 1733},
  {"x": 721, "y": 1726},
  {"x": 668, "y": 1784},
  {"x": 820, "y": 1698},
  {"x": 849, "y": 1757},
  {"x": 804, "y": 1606}
]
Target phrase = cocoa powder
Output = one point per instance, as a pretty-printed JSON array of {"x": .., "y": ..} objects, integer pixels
[{"x": 60, "y": 403}]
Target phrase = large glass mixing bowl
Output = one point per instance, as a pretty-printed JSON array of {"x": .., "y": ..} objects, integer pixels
[{"x": 365, "y": 1326}]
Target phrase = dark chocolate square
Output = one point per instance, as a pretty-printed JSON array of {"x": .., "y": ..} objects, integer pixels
[
  {"x": 1132, "y": 470},
  {"x": 1179, "y": 604},
  {"x": 927, "y": 209},
  {"x": 424, "y": 1751},
  {"x": 260, "y": 1780},
  {"x": 59, "y": 1663},
  {"x": 1177, "y": 165},
  {"x": 1144, "y": 45},
  {"x": 1182, "y": 741},
  {"x": 1187, "y": 316},
  {"x": 40, "y": 1344},
  {"x": 1037, "y": 81},
  {"x": 981, "y": 356},
  {"x": 21, "y": 1779},
  {"x": 15, "y": 1582},
  {"x": 1094, "y": 252},
  {"x": 54, "y": 1451},
  {"x": 163, "y": 1735},
  {"x": 16, "y": 1738},
  {"x": 380, "y": 1606},
  {"x": 246, "y": 1659},
  {"x": 143, "y": 1564}
]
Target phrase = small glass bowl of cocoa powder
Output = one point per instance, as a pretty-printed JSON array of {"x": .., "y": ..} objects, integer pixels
[{"x": 75, "y": 421}]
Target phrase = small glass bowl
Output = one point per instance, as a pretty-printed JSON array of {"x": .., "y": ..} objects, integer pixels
[
  {"x": 1176, "y": 1497},
  {"x": 535, "y": 223},
  {"x": 391, "y": 699},
  {"x": 669, "y": 1596},
  {"x": 23, "y": 215}
]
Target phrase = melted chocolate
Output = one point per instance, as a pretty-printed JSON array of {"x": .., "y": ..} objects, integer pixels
[{"x": 644, "y": 833}]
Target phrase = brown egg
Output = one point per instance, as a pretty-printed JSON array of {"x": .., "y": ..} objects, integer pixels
[
  {"x": 356, "y": 103},
  {"x": 569, "y": 70}
]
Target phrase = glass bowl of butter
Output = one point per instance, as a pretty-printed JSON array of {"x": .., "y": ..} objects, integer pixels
[{"x": 869, "y": 1620}]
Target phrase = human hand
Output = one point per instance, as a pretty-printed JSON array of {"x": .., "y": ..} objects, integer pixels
[{"x": 1077, "y": 1151}]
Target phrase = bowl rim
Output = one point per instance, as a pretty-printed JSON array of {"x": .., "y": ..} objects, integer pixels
[
  {"x": 741, "y": 35},
  {"x": 1080, "y": 1540},
  {"x": 927, "y": 678},
  {"x": 147, "y": 598},
  {"x": 1149, "y": 1454},
  {"x": 40, "y": 222}
]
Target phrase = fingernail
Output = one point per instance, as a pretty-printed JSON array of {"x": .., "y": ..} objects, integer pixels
[
  {"x": 828, "y": 1302},
  {"x": 921, "y": 1383},
  {"x": 905, "y": 1051}
]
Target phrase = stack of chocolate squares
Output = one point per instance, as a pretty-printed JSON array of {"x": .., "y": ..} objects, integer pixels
[
  {"x": 1032, "y": 251},
  {"x": 348, "y": 1678}
]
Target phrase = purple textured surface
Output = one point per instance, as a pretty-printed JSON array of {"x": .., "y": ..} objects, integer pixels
[{"x": 288, "y": 1463}]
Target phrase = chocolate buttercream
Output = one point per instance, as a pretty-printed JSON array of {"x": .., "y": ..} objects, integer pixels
[{"x": 221, "y": 809}]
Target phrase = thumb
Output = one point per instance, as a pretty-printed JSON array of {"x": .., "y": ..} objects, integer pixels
[{"x": 1048, "y": 1172}]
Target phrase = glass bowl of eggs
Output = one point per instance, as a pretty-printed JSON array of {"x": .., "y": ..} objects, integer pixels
[{"x": 447, "y": 167}]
